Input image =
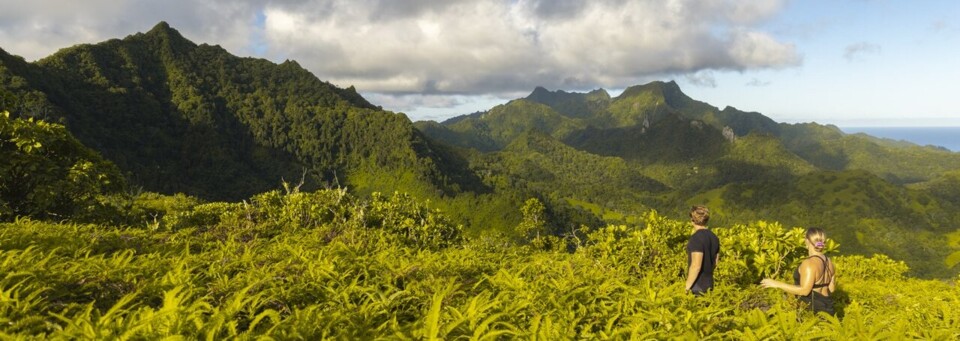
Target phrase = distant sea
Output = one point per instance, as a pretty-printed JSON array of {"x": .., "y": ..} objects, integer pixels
[{"x": 947, "y": 137}]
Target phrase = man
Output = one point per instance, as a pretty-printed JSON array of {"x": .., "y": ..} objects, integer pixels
[{"x": 703, "y": 253}]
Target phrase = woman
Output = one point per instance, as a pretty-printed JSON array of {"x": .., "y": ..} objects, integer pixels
[{"x": 815, "y": 279}]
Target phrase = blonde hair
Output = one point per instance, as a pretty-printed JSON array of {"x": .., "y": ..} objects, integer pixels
[
  {"x": 817, "y": 237},
  {"x": 699, "y": 215}
]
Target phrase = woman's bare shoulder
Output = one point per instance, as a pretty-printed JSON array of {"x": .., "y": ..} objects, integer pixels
[{"x": 814, "y": 262}]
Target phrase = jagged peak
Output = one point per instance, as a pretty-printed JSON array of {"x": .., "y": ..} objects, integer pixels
[
  {"x": 732, "y": 109},
  {"x": 601, "y": 92},
  {"x": 164, "y": 29},
  {"x": 542, "y": 95},
  {"x": 162, "y": 25},
  {"x": 539, "y": 90},
  {"x": 665, "y": 89},
  {"x": 168, "y": 35},
  {"x": 6, "y": 56},
  {"x": 290, "y": 63}
]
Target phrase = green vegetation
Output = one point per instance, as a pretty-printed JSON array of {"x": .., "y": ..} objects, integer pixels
[
  {"x": 46, "y": 173},
  {"x": 495, "y": 129},
  {"x": 539, "y": 163},
  {"x": 830, "y": 149},
  {"x": 329, "y": 265},
  {"x": 866, "y": 213}
]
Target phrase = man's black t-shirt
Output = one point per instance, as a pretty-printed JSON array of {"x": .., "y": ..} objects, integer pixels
[{"x": 706, "y": 242}]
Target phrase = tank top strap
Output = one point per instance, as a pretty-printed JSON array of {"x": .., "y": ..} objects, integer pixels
[{"x": 823, "y": 274}]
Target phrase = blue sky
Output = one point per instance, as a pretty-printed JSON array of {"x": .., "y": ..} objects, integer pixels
[
  {"x": 843, "y": 62},
  {"x": 865, "y": 63}
]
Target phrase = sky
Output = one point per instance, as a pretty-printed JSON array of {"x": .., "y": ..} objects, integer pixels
[{"x": 843, "y": 62}]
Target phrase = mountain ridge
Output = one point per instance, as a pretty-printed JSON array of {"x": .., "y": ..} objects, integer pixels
[
  {"x": 740, "y": 163},
  {"x": 201, "y": 121}
]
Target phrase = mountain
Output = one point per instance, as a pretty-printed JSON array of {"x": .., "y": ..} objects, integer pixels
[
  {"x": 564, "y": 115},
  {"x": 654, "y": 147},
  {"x": 572, "y": 104},
  {"x": 828, "y": 147},
  {"x": 649, "y": 103},
  {"x": 496, "y": 128},
  {"x": 180, "y": 117},
  {"x": 541, "y": 163}
]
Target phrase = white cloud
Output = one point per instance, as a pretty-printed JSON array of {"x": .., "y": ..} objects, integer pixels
[
  {"x": 38, "y": 28},
  {"x": 858, "y": 51},
  {"x": 413, "y": 101},
  {"x": 468, "y": 47},
  {"x": 758, "y": 83},
  {"x": 703, "y": 78},
  {"x": 461, "y": 47}
]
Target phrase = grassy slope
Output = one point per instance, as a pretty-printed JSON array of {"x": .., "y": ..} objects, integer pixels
[{"x": 268, "y": 268}]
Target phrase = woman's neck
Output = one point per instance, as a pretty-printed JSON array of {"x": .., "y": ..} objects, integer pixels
[{"x": 698, "y": 227}]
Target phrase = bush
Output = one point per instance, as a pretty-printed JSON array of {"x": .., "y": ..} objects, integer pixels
[{"x": 47, "y": 173}]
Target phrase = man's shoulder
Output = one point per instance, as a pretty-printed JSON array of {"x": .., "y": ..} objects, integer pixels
[
  {"x": 703, "y": 236},
  {"x": 706, "y": 233},
  {"x": 713, "y": 235}
]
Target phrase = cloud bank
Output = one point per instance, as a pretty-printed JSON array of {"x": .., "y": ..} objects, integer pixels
[
  {"x": 468, "y": 47},
  {"x": 439, "y": 47}
]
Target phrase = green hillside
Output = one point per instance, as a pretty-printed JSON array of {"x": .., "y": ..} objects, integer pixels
[
  {"x": 542, "y": 164},
  {"x": 328, "y": 265},
  {"x": 743, "y": 163},
  {"x": 829, "y": 148},
  {"x": 496, "y": 128},
  {"x": 945, "y": 187},
  {"x": 866, "y": 213},
  {"x": 181, "y": 117}
]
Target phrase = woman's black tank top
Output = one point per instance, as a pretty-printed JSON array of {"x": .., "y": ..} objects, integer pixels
[{"x": 796, "y": 274}]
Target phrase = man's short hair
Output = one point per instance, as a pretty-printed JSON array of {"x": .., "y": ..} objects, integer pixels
[{"x": 699, "y": 215}]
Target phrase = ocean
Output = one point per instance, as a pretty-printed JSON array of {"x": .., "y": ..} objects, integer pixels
[{"x": 947, "y": 137}]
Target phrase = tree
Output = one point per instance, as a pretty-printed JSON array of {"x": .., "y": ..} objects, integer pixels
[{"x": 533, "y": 224}]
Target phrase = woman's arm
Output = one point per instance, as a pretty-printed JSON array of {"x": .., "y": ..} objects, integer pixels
[
  {"x": 807, "y": 277},
  {"x": 696, "y": 263}
]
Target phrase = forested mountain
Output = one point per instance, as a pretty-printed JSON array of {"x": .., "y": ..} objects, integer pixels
[
  {"x": 180, "y": 117},
  {"x": 655, "y": 147},
  {"x": 496, "y": 128},
  {"x": 829, "y": 148}
]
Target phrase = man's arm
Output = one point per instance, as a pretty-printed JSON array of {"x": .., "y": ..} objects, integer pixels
[{"x": 696, "y": 263}]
